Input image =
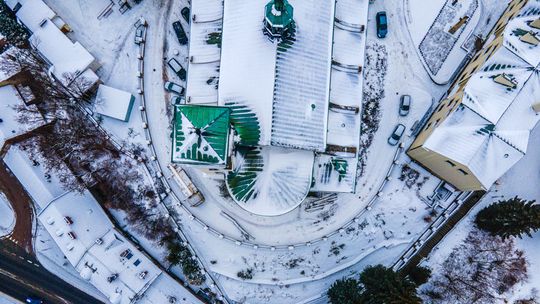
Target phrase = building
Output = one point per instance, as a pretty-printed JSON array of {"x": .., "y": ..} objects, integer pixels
[
  {"x": 201, "y": 135},
  {"x": 68, "y": 60},
  {"x": 294, "y": 130},
  {"x": 99, "y": 252},
  {"x": 114, "y": 103},
  {"x": 482, "y": 128}
]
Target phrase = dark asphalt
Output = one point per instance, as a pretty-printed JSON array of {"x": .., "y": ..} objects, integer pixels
[{"x": 20, "y": 278}]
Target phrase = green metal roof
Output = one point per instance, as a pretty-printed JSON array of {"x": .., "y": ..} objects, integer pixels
[
  {"x": 201, "y": 134},
  {"x": 279, "y": 13}
]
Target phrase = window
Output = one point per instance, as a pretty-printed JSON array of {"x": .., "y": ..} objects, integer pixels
[
  {"x": 451, "y": 163},
  {"x": 463, "y": 171},
  {"x": 437, "y": 122}
]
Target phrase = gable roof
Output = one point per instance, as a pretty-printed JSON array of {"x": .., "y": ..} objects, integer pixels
[{"x": 489, "y": 131}]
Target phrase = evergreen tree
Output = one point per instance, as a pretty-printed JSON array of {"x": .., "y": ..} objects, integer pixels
[
  {"x": 344, "y": 291},
  {"x": 15, "y": 33},
  {"x": 419, "y": 275},
  {"x": 382, "y": 285},
  {"x": 512, "y": 217}
]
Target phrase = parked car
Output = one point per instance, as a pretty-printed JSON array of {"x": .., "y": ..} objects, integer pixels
[
  {"x": 396, "y": 135},
  {"x": 180, "y": 33},
  {"x": 177, "y": 68},
  {"x": 139, "y": 35},
  {"x": 382, "y": 24},
  {"x": 174, "y": 88},
  {"x": 404, "y": 105},
  {"x": 176, "y": 100},
  {"x": 185, "y": 13}
]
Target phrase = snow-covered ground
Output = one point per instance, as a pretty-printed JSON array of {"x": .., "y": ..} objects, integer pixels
[
  {"x": 5, "y": 299},
  {"x": 297, "y": 255},
  {"x": 7, "y": 216},
  {"x": 521, "y": 180}
]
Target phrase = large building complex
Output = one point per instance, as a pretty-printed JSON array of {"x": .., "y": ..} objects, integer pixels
[
  {"x": 286, "y": 77},
  {"x": 482, "y": 128}
]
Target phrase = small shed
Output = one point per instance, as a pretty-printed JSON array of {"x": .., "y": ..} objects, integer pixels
[{"x": 114, "y": 103}]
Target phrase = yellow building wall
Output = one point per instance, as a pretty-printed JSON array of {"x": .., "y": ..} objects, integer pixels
[
  {"x": 446, "y": 169},
  {"x": 433, "y": 161}
]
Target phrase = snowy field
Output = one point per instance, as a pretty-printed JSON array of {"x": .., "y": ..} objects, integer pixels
[
  {"x": 7, "y": 216},
  {"x": 510, "y": 185},
  {"x": 5, "y": 299}
]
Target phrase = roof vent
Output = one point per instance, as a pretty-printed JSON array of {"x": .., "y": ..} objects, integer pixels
[
  {"x": 506, "y": 80},
  {"x": 536, "y": 107},
  {"x": 42, "y": 23},
  {"x": 535, "y": 23},
  {"x": 530, "y": 38}
]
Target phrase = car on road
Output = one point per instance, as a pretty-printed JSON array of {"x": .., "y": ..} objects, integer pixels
[
  {"x": 34, "y": 300},
  {"x": 404, "y": 105},
  {"x": 396, "y": 135},
  {"x": 185, "y": 13},
  {"x": 177, "y": 68},
  {"x": 382, "y": 24},
  {"x": 180, "y": 33},
  {"x": 174, "y": 88}
]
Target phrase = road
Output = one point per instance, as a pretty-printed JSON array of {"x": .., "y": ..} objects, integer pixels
[
  {"x": 21, "y": 204},
  {"x": 21, "y": 275}
]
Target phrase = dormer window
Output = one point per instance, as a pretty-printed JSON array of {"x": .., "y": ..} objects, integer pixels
[
  {"x": 506, "y": 80},
  {"x": 535, "y": 23},
  {"x": 530, "y": 38}
]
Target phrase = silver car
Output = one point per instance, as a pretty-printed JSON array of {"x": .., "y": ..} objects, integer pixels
[
  {"x": 396, "y": 135},
  {"x": 404, "y": 105},
  {"x": 174, "y": 88}
]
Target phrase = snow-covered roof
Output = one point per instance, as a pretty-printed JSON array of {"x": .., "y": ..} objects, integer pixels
[
  {"x": 9, "y": 126},
  {"x": 113, "y": 102},
  {"x": 287, "y": 87},
  {"x": 116, "y": 255},
  {"x": 489, "y": 131},
  {"x": 33, "y": 178},
  {"x": 89, "y": 223},
  {"x": 204, "y": 57},
  {"x": 32, "y": 13},
  {"x": 64, "y": 55},
  {"x": 270, "y": 180}
]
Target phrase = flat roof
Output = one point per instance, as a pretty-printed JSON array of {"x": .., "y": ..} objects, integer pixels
[{"x": 113, "y": 102}]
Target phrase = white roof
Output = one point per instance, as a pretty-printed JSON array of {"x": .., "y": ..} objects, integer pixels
[
  {"x": 89, "y": 223},
  {"x": 65, "y": 56},
  {"x": 248, "y": 62},
  {"x": 283, "y": 184},
  {"x": 32, "y": 177},
  {"x": 116, "y": 255},
  {"x": 203, "y": 66},
  {"x": 113, "y": 102},
  {"x": 489, "y": 132},
  {"x": 163, "y": 288},
  {"x": 287, "y": 90},
  {"x": 32, "y": 13}
]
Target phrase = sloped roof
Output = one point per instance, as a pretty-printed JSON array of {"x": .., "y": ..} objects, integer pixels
[
  {"x": 201, "y": 134},
  {"x": 489, "y": 131}
]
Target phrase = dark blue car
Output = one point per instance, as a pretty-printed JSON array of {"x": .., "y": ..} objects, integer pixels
[{"x": 382, "y": 24}]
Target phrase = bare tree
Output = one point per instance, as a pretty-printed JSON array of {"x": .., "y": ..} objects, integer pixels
[{"x": 478, "y": 271}]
